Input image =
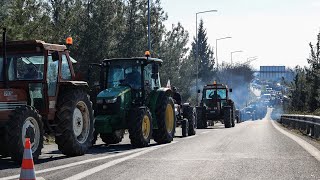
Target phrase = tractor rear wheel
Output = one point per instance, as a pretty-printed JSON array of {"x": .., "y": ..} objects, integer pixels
[
  {"x": 24, "y": 122},
  {"x": 112, "y": 138},
  {"x": 166, "y": 120},
  {"x": 140, "y": 127},
  {"x": 75, "y": 123},
  {"x": 185, "y": 127},
  {"x": 227, "y": 117}
]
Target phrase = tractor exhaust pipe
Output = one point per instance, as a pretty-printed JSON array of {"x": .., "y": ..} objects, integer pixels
[{"x": 4, "y": 56}]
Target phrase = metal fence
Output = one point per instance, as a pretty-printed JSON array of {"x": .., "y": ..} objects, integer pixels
[{"x": 306, "y": 124}]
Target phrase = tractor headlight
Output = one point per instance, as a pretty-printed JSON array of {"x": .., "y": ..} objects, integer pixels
[
  {"x": 110, "y": 101},
  {"x": 99, "y": 101}
]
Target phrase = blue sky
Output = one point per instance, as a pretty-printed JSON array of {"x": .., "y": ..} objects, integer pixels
[{"x": 276, "y": 31}]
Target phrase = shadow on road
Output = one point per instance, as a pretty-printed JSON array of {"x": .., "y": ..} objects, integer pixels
[
  {"x": 113, "y": 148},
  {"x": 7, "y": 163}
]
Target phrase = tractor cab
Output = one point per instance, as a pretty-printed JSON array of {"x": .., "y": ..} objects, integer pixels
[
  {"x": 215, "y": 96},
  {"x": 31, "y": 73},
  {"x": 135, "y": 76}
]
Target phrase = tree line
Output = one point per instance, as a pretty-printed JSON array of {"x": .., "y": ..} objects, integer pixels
[
  {"x": 305, "y": 90},
  {"x": 118, "y": 28}
]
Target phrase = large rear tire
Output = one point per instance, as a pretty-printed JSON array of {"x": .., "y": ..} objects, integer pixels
[
  {"x": 166, "y": 120},
  {"x": 75, "y": 123},
  {"x": 112, "y": 138},
  {"x": 227, "y": 117},
  {"x": 140, "y": 128},
  {"x": 24, "y": 122}
]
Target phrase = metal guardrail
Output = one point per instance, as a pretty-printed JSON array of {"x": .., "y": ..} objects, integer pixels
[{"x": 306, "y": 124}]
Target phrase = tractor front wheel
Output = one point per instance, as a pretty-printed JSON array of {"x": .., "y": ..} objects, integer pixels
[
  {"x": 140, "y": 127},
  {"x": 24, "y": 122},
  {"x": 75, "y": 123},
  {"x": 112, "y": 138}
]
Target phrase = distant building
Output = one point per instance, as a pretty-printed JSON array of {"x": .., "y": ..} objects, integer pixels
[{"x": 275, "y": 73}]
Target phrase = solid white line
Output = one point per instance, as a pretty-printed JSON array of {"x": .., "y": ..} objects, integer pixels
[
  {"x": 112, "y": 163},
  {"x": 189, "y": 137},
  {"x": 205, "y": 132},
  {"x": 76, "y": 163},
  {"x": 83, "y": 162},
  {"x": 305, "y": 145}
]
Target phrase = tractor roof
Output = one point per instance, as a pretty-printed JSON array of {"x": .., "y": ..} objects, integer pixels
[
  {"x": 135, "y": 58},
  {"x": 13, "y": 46},
  {"x": 214, "y": 86}
]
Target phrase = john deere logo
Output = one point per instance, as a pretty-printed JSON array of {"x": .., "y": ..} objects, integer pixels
[{"x": 7, "y": 93}]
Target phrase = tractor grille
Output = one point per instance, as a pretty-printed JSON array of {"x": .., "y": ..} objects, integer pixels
[
  {"x": 5, "y": 106},
  {"x": 108, "y": 109}
]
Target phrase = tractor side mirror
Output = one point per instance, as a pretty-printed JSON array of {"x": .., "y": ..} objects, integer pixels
[
  {"x": 199, "y": 91},
  {"x": 55, "y": 56},
  {"x": 230, "y": 90}
]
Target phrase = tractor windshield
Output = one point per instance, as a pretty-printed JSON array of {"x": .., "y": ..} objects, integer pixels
[
  {"x": 216, "y": 93},
  {"x": 124, "y": 73},
  {"x": 24, "y": 67}
]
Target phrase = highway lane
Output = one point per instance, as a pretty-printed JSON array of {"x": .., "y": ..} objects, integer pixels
[{"x": 251, "y": 150}]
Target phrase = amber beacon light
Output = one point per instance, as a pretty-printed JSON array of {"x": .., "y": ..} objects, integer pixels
[{"x": 69, "y": 41}]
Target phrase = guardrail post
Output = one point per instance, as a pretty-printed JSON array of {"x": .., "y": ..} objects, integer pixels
[
  {"x": 312, "y": 130},
  {"x": 308, "y": 129},
  {"x": 302, "y": 128},
  {"x": 293, "y": 124},
  {"x": 316, "y": 131}
]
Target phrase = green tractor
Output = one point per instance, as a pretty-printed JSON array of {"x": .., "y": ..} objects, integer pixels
[
  {"x": 130, "y": 97},
  {"x": 216, "y": 106}
]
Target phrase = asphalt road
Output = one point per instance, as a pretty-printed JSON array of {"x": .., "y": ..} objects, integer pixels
[{"x": 251, "y": 150}]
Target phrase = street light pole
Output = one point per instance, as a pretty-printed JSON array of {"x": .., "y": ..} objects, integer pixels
[
  {"x": 197, "y": 49},
  {"x": 234, "y": 52},
  {"x": 149, "y": 45},
  {"x": 217, "y": 49}
]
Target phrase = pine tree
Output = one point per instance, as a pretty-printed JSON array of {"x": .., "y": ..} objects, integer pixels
[
  {"x": 205, "y": 54},
  {"x": 313, "y": 76}
]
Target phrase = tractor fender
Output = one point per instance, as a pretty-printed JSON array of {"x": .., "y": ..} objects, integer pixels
[{"x": 74, "y": 84}]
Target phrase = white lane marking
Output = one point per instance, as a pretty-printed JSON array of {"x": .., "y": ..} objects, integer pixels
[
  {"x": 83, "y": 162},
  {"x": 189, "y": 137},
  {"x": 112, "y": 163},
  {"x": 76, "y": 163},
  {"x": 305, "y": 145},
  {"x": 205, "y": 132}
]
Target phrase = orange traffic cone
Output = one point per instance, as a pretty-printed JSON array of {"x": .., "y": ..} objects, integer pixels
[{"x": 27, "y": 167}]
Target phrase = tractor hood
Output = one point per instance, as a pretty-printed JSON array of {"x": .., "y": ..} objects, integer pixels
[{"x": 113, "y": 92}]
